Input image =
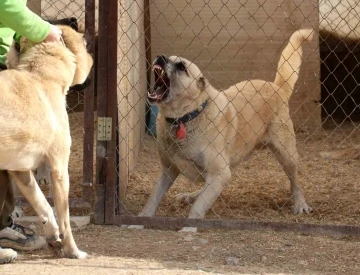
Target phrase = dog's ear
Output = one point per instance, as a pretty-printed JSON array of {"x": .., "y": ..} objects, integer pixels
[
  {"x": 201, "y": 83},
  {"x": 70, "y": 21}
]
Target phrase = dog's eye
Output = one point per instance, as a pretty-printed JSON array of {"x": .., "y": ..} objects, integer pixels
[{"x": 181, "y": 66}]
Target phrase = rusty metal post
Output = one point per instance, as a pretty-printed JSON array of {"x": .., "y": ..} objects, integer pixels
[
  {"x": 106, "y": 107},
  {"x": 102, "y": 70},
  {"x": 112, "y": 110}
]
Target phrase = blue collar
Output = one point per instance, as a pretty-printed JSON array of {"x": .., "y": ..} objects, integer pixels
[{"x": 187, "y": 117}]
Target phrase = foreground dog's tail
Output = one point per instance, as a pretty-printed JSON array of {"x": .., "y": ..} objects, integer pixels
[
  {"x": 352, "y": 153},
  {"x": 290, "y": 60}
]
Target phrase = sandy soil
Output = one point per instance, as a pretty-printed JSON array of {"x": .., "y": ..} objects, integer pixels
[{"x": 122, "y": 251}]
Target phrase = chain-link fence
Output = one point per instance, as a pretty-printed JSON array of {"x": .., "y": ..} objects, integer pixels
[
  {"x": 224, "y": 43},
  {"x": 203, "y": 129}
]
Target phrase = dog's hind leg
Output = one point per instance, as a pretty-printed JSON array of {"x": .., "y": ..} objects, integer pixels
[
  {"x": 61, "y": 185},
  {"x": 159, "y": 190},
  {"x": 283, "y": 144},
  {"x": 28, "y": 186}
]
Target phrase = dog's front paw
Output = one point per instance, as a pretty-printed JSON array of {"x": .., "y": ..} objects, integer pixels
[
  {"x": 300, "y": 208},
  {"x": 188, "y": 230},
  {"x": 77, "y": 254},
  {"x": 17, "y": 213}
]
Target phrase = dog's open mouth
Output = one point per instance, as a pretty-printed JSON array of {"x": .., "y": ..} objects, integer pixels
[{"x": 161, "y": 87}]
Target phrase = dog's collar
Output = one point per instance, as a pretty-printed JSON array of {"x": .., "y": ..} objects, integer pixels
[{"x": 187, "y": 117}]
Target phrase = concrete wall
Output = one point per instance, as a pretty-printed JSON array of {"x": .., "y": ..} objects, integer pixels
[
  {"x": 340, "y": 17},
  {"x": 241, "y": 40}
]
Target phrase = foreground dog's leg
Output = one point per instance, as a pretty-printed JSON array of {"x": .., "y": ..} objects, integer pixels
[
  {"x": 60, "y": 183},
  {"x": 28, "y": 186},
  {"x": 215, "y": 183},
  {"x": 283, "y": 144},
  {"x": 166, "y": 179}
]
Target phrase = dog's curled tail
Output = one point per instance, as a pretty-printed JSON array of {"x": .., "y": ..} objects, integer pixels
[
  {"x": 290, "y": 60},
  {"x": 352, "y": 153}
]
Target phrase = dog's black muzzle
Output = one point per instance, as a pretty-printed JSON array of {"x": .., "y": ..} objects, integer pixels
[{"x": 161, "y": 60}]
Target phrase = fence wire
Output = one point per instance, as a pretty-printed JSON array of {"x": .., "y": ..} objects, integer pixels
[{"x": 230, "y": 42}]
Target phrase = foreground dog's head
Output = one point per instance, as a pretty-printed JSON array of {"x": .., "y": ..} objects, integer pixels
[
  {"x": 176, "y": 78},
  {"x": 74, "y": 57}
]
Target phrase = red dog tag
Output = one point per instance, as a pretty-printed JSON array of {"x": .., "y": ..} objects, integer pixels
[{"x": 181, "y": 131}]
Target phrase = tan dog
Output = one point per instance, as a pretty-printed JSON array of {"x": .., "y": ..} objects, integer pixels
[
  {"x": 203, "y": 133},
  {"x": 35, "y": 128},
  {"x": 351, "y": 153}
]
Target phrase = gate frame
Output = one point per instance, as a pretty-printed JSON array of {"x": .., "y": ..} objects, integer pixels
[{"x": 106, "y": 107}]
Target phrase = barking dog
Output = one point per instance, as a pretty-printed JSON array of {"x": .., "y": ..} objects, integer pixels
[
  {"x": 35, "y": 128},
  {"x": 203, "y": 133}
]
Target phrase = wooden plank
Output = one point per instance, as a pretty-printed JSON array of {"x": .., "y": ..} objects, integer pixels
[{"x": 167, "y": 222}]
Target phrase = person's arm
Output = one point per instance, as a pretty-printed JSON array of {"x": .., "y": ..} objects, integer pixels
[{"x": 16, "y": 15}]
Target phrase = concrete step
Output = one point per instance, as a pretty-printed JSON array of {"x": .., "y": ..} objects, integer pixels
[{"x": 33, "y": 222}]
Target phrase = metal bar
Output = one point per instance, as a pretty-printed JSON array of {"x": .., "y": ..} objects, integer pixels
[
  {"x": 101, "y": 150},
  {"x": 73, "y": 202},
  {"x": 110, "y": 190},
  {"x": 88, "y": 146},
  {"x": 242, "y": 225},
  {"x": 147, "y": 28}
]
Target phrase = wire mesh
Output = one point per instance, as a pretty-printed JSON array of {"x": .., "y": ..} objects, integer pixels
[{"x": 230, "y": 42}]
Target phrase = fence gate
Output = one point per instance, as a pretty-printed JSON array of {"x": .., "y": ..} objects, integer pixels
[{"x": 230, "y": 41}]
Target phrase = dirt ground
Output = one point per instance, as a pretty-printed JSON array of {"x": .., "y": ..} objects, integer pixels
[
  {"x": 259, "y": 190},
  {"x": 114, "y": 250}
]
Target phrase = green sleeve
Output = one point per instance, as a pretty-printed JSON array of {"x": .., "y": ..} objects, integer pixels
[{"x": 15, "y": 15}]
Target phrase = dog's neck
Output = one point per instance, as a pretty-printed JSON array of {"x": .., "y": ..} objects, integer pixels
[
  {"x": 181, "y": 107},
  {"x": 59, "y": 65},
  {"x": 187, "y": 117}
]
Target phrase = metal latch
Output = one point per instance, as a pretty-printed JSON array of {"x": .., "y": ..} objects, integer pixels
[{"x": 104, "y": 128}]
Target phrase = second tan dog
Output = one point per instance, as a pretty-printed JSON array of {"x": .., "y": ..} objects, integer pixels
[
  {"x": 35, "y": 128},
  {"x": 203, "y": 133},
  {"x": 350, "y": 153}
]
